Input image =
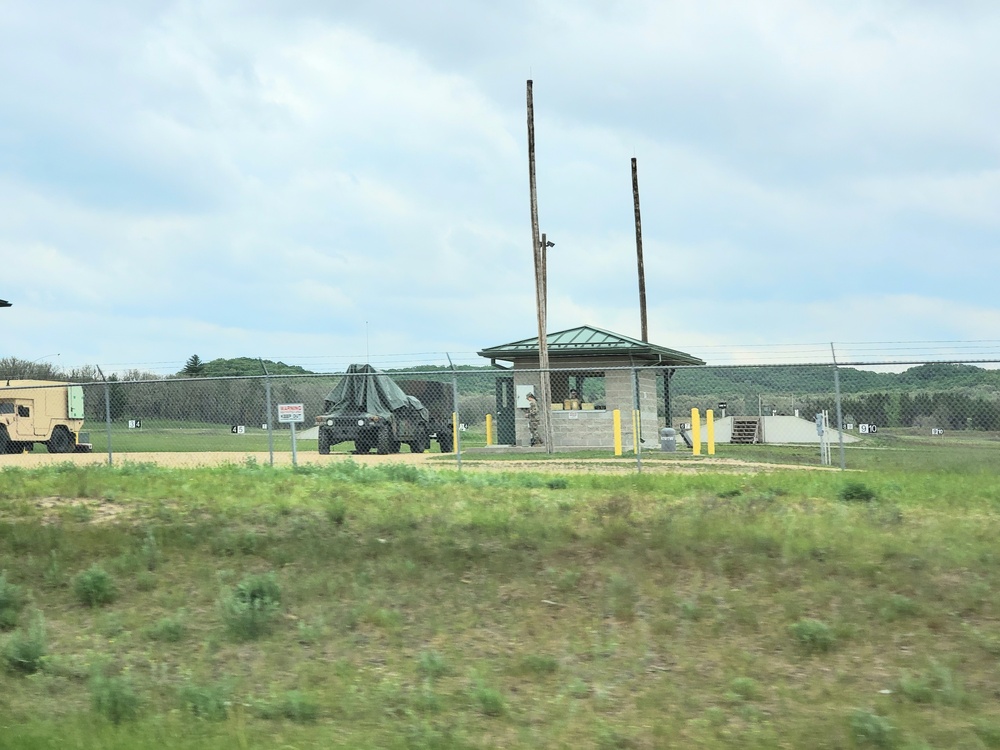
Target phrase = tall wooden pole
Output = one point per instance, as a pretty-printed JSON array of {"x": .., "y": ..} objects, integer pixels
[
  {"x": 539, "y": 253},
  {"x": 638, "y": 250}
]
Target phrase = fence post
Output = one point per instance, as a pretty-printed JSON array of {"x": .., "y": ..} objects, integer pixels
[
  {"x": 456, "y": 433},
  {"x": 267, "y": 396},
  {"x": 710, "y": 430},
  {"x": 695, "y": 432},
  {"x": 840, "y": 416},
  {"x": 636, "y": 421},
  {"x": 107, "y": 411}
]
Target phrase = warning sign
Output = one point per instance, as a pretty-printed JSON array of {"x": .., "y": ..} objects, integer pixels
[{"x": 291, "y": 413}]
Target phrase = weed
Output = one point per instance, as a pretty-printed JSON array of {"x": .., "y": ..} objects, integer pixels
[
  {"x": 25, "y": 651},
  {"x": 293, "y": 706},
  {"x": 388, "y": 619},
  {"x": 12, "y": 601},
  {"x": 565, "y": 581},
  {"x": 857, "y": 491},
  {"x": 988, "y": 733},
  {"x": 310, "y": 633},
  {"x": 115, "y": 698},
  {"x": 150, "y": 552},
  {"x": 743, "y": 689},
  {"x": 336, "y": 512},
  {"x": 577, "y": 688},
  {"x": 249, "y": 609},
  {"x": 624, "y": 597},
  {"x": 897, "y": 606},
  {"x": 872, "y": 730},
  {"x": 54, "y": 576},
  {"x": 167, "y": 630},
  {"x": 813, "y": 636},
  {"x": 94, "y": 587},
  {"x": 432, "y": 665},
  {"x": 937, "y": 685},
  {"x": 490, "y": 701},
  {"x": 559, "y": 483},
  {"x": 609, "y": 738},
  {"x": 690, "y": 610},
  {"x": 539, "y": 666},
  {"x": 210, "y": 702}
]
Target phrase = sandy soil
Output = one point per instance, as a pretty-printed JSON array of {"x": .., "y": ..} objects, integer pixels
[{"x": 471, "y": 461}]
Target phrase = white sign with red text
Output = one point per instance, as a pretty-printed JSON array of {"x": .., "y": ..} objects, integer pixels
[{"x": 291, "y": 413}]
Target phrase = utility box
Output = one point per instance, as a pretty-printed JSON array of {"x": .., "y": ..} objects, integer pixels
[
  {"x": 522, "y": 395},
  {"x": 668, "y": 440}
]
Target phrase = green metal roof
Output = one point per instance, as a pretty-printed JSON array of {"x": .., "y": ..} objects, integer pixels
[{"x": 587, "y": 341}]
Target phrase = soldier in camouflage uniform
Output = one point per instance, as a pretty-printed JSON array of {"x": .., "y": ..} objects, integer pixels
[{"x": 534, "y": 419}]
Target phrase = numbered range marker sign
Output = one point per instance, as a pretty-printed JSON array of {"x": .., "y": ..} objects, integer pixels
[
  {"x": 238, "y": 429},
  {"x": 867, "y": 429},
  {"x": 135, "y": 424}
]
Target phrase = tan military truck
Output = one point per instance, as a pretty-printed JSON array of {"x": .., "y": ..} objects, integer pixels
[{"x": 41, "y": 411}]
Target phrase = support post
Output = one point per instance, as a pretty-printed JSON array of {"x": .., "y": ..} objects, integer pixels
[
  {"x": 107, "y": 412},
  {"x": 616, "y": 421},
  {"x": 539, "y": 243},
  {"x": 638, "y": 251},
  {"x": 270, "y": 416},
  {"x": 840, "y": 416}
]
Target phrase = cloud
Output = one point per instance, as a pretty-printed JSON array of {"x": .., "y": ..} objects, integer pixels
[{"x": 319, "y": 178}]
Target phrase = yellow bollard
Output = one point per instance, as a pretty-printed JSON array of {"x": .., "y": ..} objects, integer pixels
[
  {"x": 635, "y": 431},
  {"x": 616, "y": 419},
  {"x": 489, "y": 429},
  {"x": 454, "y": 431},
  {"x": 710, "y": 429},
  {"x": 696, "y": 432}
]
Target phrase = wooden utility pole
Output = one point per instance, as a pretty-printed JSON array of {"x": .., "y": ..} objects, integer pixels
[
  {"x": 541, "y": 304},
  {"x": 638, "y": 250}
]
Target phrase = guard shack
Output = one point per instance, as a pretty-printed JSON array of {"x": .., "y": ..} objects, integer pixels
[{"x": 596, "y": 364}]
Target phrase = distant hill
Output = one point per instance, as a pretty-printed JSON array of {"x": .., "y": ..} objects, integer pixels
[
  {"x": 806, "y": 379},
  {"x": 247, "y": 366}
]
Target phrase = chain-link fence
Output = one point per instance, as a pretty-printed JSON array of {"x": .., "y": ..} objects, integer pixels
[{"x": 942, "y": 414}]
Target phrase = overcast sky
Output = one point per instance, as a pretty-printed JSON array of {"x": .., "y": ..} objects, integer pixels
[{"x": 317, "y": 182}]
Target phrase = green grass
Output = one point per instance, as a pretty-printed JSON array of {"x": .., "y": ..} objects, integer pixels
[
  {"x": 171, "y": 436},
  {"x": 411, "y": 608}
]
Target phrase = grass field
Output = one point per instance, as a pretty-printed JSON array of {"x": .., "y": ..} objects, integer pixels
[{"x": 398, "y": 607}]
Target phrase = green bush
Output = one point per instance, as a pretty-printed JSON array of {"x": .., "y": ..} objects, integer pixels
[
  {"x": 94, "y": 587},
  {"x": 857, "y": 491},
  {"x": 210, "y": 702},
  {"x": 25, "y": 650},
  {"x": 813, "y": 636},
  {"x": 249, "y": 610},
  {"x": 12, "y": 601},
  {"x": 490, "y": 701},
  {"x": 872, "y": 730},
  {"x": 114, "y": 698}
]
